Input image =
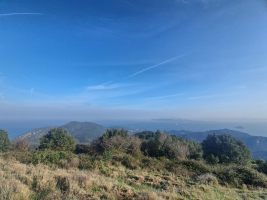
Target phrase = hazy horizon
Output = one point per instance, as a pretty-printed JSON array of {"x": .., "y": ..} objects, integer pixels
[
  {"x": 133, "y": 60},
  {"x": 20, "y": 127}
]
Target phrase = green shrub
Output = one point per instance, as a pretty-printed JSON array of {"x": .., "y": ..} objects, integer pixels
[
  {"x": 238, "y": 175},
  {"x": 86, "y": 162},
  {"x": 104, "y": 168},
  {"x": 225, "y": 149},
  {"x": 111, "y": 139},
  {"x": 163, "y": 145},
  {"x": 107, "y": 155},
  {"x": 4, "y": 141},
  {"x": 49, "y": 157},
  {"x": 195, "y": 151},
  {"x": 211, "y": 159},
  {"x": 195, "y": 166},
  {"x": 57, "y": 139},
  {"x": 261, "y": 166},
  {"x": 116, "y": 141},
  {"x": 129, "y": 162}
]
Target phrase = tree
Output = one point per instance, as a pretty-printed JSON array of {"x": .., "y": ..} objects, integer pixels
[
  {"x": 4, "y": 141},
  {"x": 114, "y": 132},
  {"x": 195, "y": 150},
  {"x": 57, "y": 139},
  {"x": 225, "y": 149}
]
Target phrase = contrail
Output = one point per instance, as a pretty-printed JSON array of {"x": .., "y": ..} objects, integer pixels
[
  {"x": 13, "y": 14},
  {"x": 143, "y": 71},
  {"x": 155, "y": 66}
]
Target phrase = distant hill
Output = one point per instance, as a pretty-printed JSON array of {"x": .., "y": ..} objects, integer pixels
[
  {"x": 256, "y": 144},
  {"x": 83, "y": 132}
]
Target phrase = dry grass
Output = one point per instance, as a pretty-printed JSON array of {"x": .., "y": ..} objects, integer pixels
[{"x": 21, "y": 182}]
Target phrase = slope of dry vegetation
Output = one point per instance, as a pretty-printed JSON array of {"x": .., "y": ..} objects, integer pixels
[
  {"x": 109, "y": 181},
  {"x": 119, "y": 166}
]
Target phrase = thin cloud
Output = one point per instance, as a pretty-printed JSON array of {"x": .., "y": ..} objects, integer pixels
[
  {"x": 166, "y": 96},
  {"x": 209, "y": 96},
  {"x": 22, "y": 13},
  {"x": 103, "y": 87},
  {"x": 110, "y": 85},
  {"x": 117, "y": 85},
  {"x": 155, "y": 66},
  {"x": 203, "y": 97}
]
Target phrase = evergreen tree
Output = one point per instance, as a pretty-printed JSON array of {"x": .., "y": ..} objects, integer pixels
[{"x": 57, "y": 139}]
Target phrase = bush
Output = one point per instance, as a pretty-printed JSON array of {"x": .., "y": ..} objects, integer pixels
[
  {"x": 211, "y": 159},
  {"x": 261, "y": 166},
  {"x": 163, "y": 145},
  {"x": 153, "y": 164},
  {"x": 129, "y": 162},
  {"x": 237, "y": 176},
  {"x": 134, "y": 147},
  {"x": 86, "y": 162},
  {"x": 51, "y": 157},
  {"x": 4, "y": 141},
  {"x": 116, "y": 140},
  {"x": 225, "y": 149},
  {"x": 195, "y": 151},
  {"x": 112, "y": 138},
  {"x": 195, "y": 166},
  {"x": 57, "y": 139},
  {"x": 187, "y": 167}
]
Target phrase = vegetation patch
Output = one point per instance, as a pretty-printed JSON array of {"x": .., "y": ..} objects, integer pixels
[{"x": 148, "y": 165}]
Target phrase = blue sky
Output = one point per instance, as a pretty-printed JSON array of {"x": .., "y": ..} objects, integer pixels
[{"x": 133, "y": 59}]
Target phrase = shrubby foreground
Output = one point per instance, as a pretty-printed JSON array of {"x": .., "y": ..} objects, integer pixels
[{"x": 147, "y": 165}]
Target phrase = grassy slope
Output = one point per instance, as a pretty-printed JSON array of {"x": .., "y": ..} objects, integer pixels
[{"x": 21, "y": 181}]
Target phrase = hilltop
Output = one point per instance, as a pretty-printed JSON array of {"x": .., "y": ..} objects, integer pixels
[{"x": 83, "y": 132}]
